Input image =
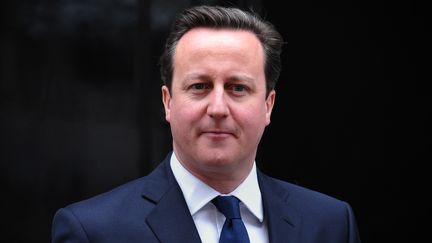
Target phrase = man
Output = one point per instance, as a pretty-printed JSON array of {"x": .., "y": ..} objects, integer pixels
[{"x": 219, "y": 68}]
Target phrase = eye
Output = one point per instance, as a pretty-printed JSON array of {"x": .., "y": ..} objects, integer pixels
[
  {"x": 199, "y": 86},
  {"x": 238, "y": 89}
]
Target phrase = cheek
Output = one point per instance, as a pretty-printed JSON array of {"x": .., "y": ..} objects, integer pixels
[
  {"x": 253, "y": 119},
  {"x": 183, "y": 114}
]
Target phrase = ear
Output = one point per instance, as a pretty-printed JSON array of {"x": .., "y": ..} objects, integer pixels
[
  {"x": 166, "y": 99},
  {"x": 269, "y": 105}
]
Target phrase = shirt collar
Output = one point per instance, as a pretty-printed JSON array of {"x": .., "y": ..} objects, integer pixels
[
  {"x": 249, "y": 193},
  {"x": 197, "y": 194}
]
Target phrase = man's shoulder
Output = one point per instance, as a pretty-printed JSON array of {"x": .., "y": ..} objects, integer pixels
[
  {"x": 303, "y": 196},
  {"x": 135, "y": 193},
  {"x": 322, "y": 217},
  {"x": 312, "y": 206},
  {"x": 108, "y": 202}
]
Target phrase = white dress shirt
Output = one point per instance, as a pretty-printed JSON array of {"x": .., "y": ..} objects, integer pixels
[{"x": 208, "y": 220}]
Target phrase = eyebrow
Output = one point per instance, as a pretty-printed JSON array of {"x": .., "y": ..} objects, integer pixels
[
  {"x": 240, "y": 77},
  {"x": 192, "y": 76}
]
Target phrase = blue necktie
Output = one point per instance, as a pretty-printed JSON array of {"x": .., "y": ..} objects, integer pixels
[{"x": 233, "y": 231}]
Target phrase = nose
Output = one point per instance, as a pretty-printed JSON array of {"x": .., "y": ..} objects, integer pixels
[{"x": 218, "y": 106}]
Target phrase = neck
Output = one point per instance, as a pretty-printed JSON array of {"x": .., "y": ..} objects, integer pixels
[
  {"x": 224, "y": 182},
  {"x": 223, "y": 177}
]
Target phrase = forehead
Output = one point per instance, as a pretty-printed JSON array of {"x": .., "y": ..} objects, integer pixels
[
  {"x": 211, "y": 33},
  {"x": 217, "y": 39},
  {"x": 201, "y": 44}
]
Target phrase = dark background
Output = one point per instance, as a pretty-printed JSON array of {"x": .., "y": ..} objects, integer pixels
[{"x": 81, "y": 112}]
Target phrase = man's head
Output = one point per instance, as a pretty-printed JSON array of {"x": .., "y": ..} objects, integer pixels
[
  {"x": 225, "y": 18},
  {"x": 217, "y": 96}
]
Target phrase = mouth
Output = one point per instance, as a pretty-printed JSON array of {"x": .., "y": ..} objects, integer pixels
[{"x": 217, "y": 134}]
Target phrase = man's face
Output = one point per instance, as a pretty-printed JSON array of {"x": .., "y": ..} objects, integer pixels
[{"x": 217, "y": 108}]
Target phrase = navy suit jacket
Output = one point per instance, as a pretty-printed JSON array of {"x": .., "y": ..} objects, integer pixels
[{"x": 152, "y": 209}]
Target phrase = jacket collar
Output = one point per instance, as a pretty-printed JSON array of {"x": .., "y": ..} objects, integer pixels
[
  {"x": 282, "y": 217},
  {"x": 170, "y": 220}
]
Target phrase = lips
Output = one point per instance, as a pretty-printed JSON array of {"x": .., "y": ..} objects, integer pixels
[{"x": 217, "y": 134}]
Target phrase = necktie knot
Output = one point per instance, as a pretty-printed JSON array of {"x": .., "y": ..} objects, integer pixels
[{"x": 228, "y": 206}]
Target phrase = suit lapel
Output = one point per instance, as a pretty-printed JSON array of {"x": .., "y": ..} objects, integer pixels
[
  {"x": 170, "y": 220},
  {"x": 283, "y": 220}
]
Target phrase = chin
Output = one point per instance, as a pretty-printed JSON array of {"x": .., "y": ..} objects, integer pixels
[
  {"x": 218, "y": 160},
  {"x": 215, "y": 159}
]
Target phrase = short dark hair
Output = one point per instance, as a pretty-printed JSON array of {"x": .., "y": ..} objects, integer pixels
[{"x": 225, "y": 17}]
